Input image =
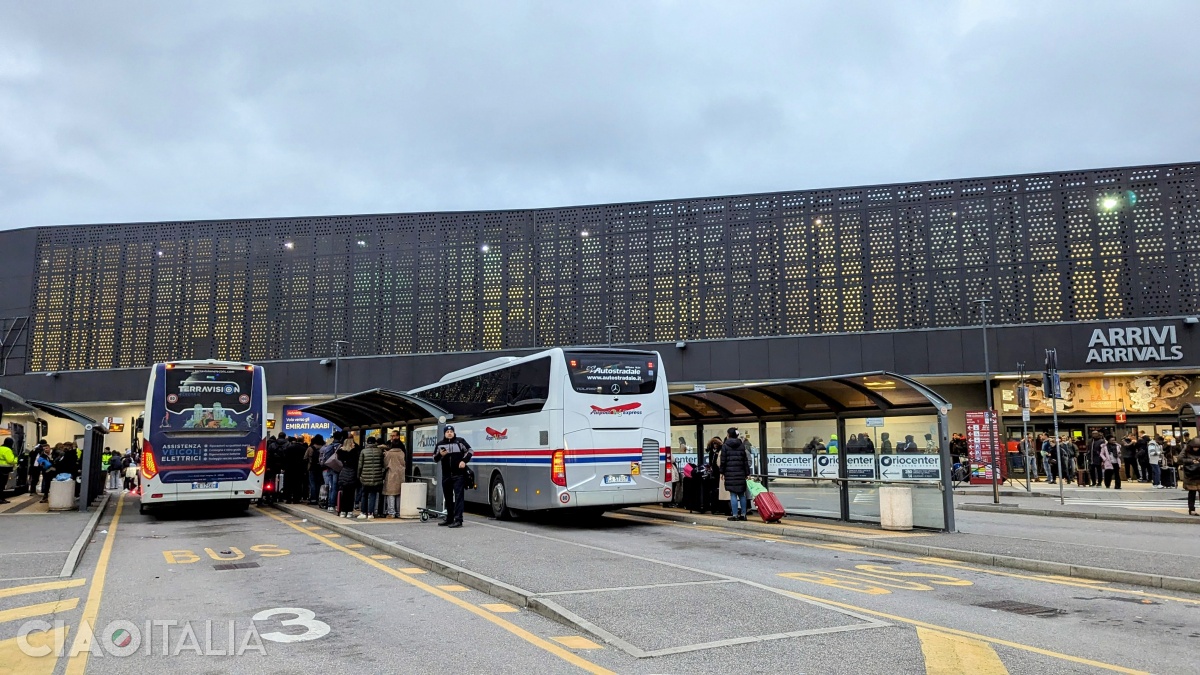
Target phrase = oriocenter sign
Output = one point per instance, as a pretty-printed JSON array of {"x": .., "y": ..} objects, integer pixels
[{"x": 1134, "y": 344}]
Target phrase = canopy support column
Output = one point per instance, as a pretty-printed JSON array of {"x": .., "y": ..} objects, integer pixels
[{"x": 947, "y": 468}]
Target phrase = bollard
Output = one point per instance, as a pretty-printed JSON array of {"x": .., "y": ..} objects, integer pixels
[
  {"x": 62, "y": 495},
  {"x": 895, "y": 508},
  {"x": 412, "y": 499}
]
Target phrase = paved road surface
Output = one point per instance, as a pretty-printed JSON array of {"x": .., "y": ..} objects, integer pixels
[{"x": 659, "y": 586}]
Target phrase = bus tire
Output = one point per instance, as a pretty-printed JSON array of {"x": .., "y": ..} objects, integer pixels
[{"x": 498, "y": 498}]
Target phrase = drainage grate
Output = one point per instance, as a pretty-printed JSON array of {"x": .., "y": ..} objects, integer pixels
[
  {"x": 236, "y": 566},
  {"x": 1022, "y": 608}
]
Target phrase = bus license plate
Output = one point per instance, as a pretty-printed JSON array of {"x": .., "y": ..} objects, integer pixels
[
  {"x": 617, "y": 479},
  {"x": 204, "y": 486}
]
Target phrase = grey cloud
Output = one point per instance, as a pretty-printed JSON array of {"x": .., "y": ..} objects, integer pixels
[{"x": 147, "y": 111}]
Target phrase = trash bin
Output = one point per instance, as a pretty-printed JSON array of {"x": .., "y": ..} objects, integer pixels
[
  {"x": 412, "y": 499},
  {"x": 895, "y": 508},
  {"x": 62, "y": 495}
]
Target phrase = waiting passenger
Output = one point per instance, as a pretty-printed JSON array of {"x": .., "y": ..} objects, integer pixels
[
  {"x": 348, "y": 477},
  {"x": 370, "y": 474},
  {"x": 331, "y": 476},
  {"x": 454, "y": 453},
  {"x": 393, "y": 480},
  {"x": 885, "y": 443}
]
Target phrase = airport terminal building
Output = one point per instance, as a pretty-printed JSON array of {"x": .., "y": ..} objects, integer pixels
[{"x": 1103, "y": 265}]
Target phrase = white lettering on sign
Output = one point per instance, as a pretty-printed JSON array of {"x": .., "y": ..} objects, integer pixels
[
  {"x": 791, "y": 466},
  {"x": 910, "y": 467},
  {"x": 1134, "y": 344}
]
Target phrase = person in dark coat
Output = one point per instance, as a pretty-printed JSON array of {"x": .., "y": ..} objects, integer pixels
[
  {"x": 348, "y": 476},
  {"x": 312, "y": 464},
  {"x": 370, "y": 474},
  {"x": 454, "y": 453},
  {"x": 734, "y": 465},
  {"x": 1189, "y": 468},
  {"x": 295, "y": 471}
]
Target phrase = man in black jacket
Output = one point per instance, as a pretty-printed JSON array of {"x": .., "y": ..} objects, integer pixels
[
  {"x": 734, "y": 465},
  {"x": 454, "y": 453}
]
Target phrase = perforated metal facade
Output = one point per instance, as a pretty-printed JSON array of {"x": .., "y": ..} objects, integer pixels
[{"x": 1112, "y": 243}]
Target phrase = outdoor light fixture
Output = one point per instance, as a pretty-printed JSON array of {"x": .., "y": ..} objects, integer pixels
[
  {"x": 485, "y": 248},
  {"x": 289, "y": 245},
  {"x": 327, "y": 362},
  {"x": 361, "y": 243},
  {"x": 584, "y": 233},
  {"x": 1191, "y": 320},
  {"x": 681, "y": 345},
  {"x": 1110, "y": 203}
]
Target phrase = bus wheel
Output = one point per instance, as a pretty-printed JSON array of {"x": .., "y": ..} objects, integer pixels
[{"x": 499, "y": 499}]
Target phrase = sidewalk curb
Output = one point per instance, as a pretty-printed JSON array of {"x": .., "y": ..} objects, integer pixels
[
  {"x": 482, "y": 583},
  {"x": 1087, "y": 515},
  {"x": 974, "y": 557},
  {"x": 84, "y": 539}
]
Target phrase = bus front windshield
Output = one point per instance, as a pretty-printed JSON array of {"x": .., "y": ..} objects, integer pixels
[{"x": 208, "y": 400}]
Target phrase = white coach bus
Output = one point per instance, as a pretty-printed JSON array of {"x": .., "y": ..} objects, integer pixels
[{"x": 576, "y": 428}]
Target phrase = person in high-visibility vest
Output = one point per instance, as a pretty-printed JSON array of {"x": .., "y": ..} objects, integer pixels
[{"x": 8, "y": 460}]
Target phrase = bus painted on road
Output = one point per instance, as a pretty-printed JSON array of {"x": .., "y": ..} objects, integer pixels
[
  {"x": 563, "y": 428},
  {"x": 204, "y": 433}
]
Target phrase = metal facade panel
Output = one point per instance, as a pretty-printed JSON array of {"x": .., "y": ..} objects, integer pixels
[{"x": 1055, "y": 247}]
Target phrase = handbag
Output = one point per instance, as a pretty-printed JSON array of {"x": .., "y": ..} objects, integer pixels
[
  {"x": 333, "y": 463},
  {"x": 469, "y": 482}
]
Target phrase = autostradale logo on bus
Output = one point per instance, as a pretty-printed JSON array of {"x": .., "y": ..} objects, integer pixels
[
  {"x": 626, "y": 409},
  {"x": 496, "y": 434}
]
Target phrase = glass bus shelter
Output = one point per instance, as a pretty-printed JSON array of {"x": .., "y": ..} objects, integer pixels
[
  {"x": 826, "y": 445},
  {"x": 14, "y": 408}
]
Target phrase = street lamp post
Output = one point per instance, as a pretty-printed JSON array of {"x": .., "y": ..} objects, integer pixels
[
  {"x": 991, "y": 413},
  {"x": 610, "y": 328},
  {"x": 337, "y": 355}
]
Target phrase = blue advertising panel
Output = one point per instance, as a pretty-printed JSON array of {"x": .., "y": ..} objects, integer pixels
[{"x": 298, "y": 423}]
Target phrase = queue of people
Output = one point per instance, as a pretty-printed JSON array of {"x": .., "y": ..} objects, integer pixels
[
  {"x": 341, "y": 475},
  {"x": 37, "y": 467}
]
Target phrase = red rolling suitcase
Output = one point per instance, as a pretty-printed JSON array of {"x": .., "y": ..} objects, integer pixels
[{"x": 768, "y": 507}]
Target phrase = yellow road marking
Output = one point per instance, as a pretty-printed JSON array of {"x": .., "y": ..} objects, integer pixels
[
  {"x": 576, "y": 642},
  {"x": 38, "y": 588},
  {"x": 970, "y": 635},
  {"x": 499, "y": 607},
  {"x": 506, "y": 625},
  {"x": 413, "y": 570},
  {"x": 78, "y": 663},
  {"x": 947, "y": 654},
  {"x": 14, "y": 661},
  {"x": 381, "y": 556},
  {"x": 454, "y": 588},
  {"x": 354, "y": 546},
  {"x": 331, "y": 535},
  {"x": 18, "y": 613},
  {"x": 953, "y": 564},
  {"x": 313, "y": 527}
]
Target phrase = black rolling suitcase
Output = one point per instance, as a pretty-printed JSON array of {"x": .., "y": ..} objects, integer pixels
[
  {"x": 693, "y": 492},
  {"x": 1167, "y": 474},
  {"x": 712, "y": 497}
]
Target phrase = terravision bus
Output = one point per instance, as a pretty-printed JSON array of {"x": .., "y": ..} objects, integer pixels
[
  {"x": 577, "y": 428},
  {"x": 204, "y": 433}
]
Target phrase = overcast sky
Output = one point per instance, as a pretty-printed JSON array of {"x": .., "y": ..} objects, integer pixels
[{"x": 128, "y": 111}]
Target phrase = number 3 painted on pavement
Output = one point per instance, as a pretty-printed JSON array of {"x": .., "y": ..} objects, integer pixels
[{"x": 313, "y": 628}]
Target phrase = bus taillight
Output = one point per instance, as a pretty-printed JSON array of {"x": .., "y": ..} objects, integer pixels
[
  {"x": 260, "y": 459},
  {"x": 670, "y": 475},
  {"x": 149, "y": 466},
  {"x": 558, "y": 468}
]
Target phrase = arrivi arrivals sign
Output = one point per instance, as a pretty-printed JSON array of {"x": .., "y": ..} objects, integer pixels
[{"x": 1134, "y": 344}]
